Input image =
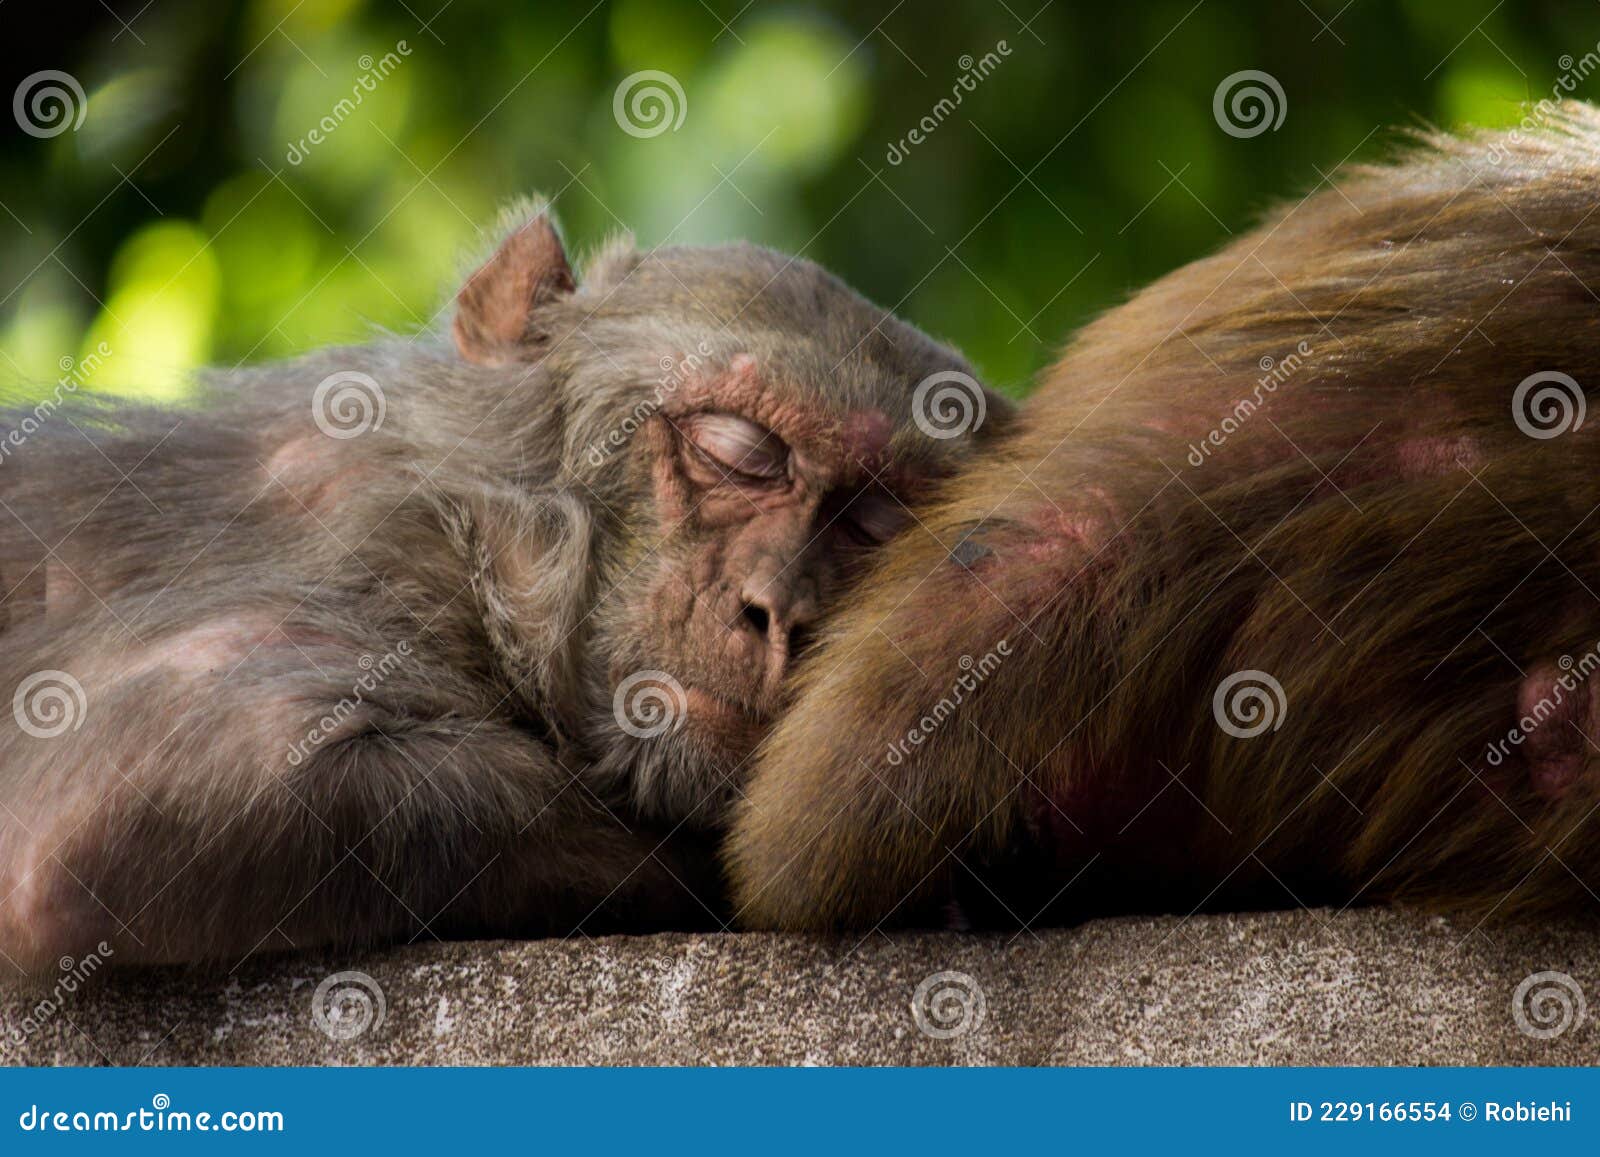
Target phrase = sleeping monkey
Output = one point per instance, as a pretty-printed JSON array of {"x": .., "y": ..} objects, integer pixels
[{"x": 450, "y": 636}]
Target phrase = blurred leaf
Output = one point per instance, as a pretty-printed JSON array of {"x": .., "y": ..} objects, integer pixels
[
  {"x": 793, "y": 93},
  {"x": 158, "y": 318},
  {"x": 1484, "y": 95},
  {"x": 1087, "y": 163},
  {"x": 672, "y": 38},
  {"x": 125, "y": 113}
]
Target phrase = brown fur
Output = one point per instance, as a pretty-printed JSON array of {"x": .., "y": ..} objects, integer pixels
[
  {"x": 348, "y": 689},
  {"x": 1377, "y": 534}
]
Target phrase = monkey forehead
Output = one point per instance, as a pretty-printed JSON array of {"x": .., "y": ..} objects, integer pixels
[
  {"x": 803, "y": 323},
  {"x": 742, "y": 285}
]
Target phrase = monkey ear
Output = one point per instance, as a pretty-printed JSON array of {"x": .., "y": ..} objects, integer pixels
[{"x": 495, "y": 306}]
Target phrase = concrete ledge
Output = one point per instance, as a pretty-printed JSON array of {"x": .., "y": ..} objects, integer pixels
[{"x": 1313, "y": 988}]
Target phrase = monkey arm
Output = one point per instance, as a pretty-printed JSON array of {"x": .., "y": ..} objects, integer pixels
[
  {"x": 289, "y": 809},
  {"x": 884, "y": 777}
]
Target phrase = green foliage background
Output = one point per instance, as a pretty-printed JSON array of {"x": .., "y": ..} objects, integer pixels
[{"x": 173, "y": 226}]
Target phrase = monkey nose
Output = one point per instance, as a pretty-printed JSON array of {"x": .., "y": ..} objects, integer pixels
[{"x": 770, "y": 615}]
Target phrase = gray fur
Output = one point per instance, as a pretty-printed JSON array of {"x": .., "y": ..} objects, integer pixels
[{"x": 426, "y": 745}]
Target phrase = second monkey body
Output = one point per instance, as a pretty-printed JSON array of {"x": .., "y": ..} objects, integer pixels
[{"x": 1286, "y": 590}]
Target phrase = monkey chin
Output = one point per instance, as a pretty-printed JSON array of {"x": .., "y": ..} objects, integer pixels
[{"x": 724, "y": 733}]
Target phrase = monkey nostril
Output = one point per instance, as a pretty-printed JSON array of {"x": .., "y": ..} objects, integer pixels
[{"x": 758, "y": 618}]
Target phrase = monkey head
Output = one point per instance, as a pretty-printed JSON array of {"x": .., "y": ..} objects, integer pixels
[{"x": 745, "y": 430}]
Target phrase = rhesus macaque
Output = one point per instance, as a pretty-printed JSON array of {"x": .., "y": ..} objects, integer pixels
[
  {"x": 440, "y": 637},
  {"x": 1284, "y": 589}
]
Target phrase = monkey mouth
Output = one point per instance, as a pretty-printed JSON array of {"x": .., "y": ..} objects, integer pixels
[
  {"x": 729, "y": 721},
  {"x": 699, "y": 701}
]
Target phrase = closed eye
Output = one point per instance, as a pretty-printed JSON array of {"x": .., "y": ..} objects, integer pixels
[
  {"x": 876, "y": 516},
  {"x": 740, "y": 447}
]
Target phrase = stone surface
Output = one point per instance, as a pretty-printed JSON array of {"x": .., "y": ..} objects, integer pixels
[{"x": 1314, "y": 988}]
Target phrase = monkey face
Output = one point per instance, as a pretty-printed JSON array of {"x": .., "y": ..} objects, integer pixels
[
  {"x": 746, "y": 430},
  {"x": 765, "y": 503}
]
